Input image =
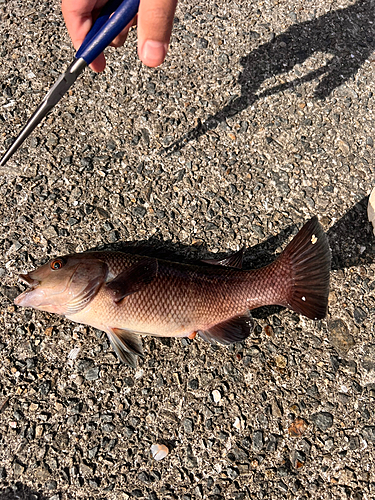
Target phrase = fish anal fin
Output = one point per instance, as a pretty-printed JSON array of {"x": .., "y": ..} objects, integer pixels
[
  {"x": 235, "y": 329},
  {"x": 126, "y": 344},
  {"x": 134, "y": 279},
  {"x": 235, "y": 260}
]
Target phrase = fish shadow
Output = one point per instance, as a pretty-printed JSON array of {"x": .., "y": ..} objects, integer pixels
[
  {"x": 346, "y": 35},
  {"x": 20, "y": 491},
  {"x": 350, "y": 238}
]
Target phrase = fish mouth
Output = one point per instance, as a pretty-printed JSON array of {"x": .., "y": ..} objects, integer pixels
[
  {"x": 25, "y": 297},
  {"x": 27, "y": 280}
]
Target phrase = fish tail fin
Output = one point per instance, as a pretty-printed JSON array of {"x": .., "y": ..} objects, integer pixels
[{"x": 307, "y": 260}]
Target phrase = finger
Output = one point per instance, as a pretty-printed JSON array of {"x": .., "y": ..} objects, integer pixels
[
  {"x": 98, "y": 64},
  {"x": 155, "y": 20},
  {"x": 78, "y": 16},
  {"x": 79, "y": 19},
  {"x": 120, "y": 39}
]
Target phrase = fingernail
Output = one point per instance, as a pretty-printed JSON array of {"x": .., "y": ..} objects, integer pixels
[{"x": 153, "y": 52}]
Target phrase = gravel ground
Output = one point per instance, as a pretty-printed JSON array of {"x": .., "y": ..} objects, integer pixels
[{"x": 261, "y": 117}]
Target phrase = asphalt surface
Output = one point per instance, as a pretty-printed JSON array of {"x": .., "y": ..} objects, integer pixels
[{"x": 261, "y": 117}]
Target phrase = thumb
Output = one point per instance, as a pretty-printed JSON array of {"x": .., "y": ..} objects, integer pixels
[{"x": 155, "y": 20}]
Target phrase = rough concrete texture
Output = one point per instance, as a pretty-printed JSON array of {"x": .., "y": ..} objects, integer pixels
[{"x": 261, "y": 116}]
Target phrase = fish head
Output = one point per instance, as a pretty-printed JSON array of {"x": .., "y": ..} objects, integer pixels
[{"x": 64, "y": 285}]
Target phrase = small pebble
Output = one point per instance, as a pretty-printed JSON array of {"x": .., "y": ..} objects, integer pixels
[
  {"x": 193, "y": 384},
  {"x": 74, "y": 353},
  {"x": 159, "y": 451},
  {"x": 18, "y": 469},
  {"x": 359, "y": 315},
  {"x": 238, "y": 424},
  {"x": 188, "y": 425},
  {"x": 339, "y": 336},
  {"x": 298, "y": 427},
  {"x": 216, "y": 396},
  {"x": 369, "y": 433},
  {"x": 281, "y": 362},
  {"x": 322, "y": 420},
  {"x": 92, "y": 374},
  {"x": 48, "y": 331},
  {"x": 343, "y": 147},
  {"x": 39, "y": 431},
  {"x": 72, "y": 221},
  {"x": 258, "y": 441}
]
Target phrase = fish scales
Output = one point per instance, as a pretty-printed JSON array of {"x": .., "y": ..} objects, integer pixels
[
  {"x": 182, "y": 298},
  {"x": 129, "y": 295}
]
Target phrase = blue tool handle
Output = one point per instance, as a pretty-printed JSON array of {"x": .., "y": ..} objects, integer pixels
[
  {"x": 106, "y": 28},
  {"x": 104, "y": 15}
]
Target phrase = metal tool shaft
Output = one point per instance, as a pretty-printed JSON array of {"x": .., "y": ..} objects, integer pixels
[{"x": 63, "y": 83}]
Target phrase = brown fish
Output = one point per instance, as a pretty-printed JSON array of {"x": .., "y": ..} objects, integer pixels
[{"x": 128, "y": 296}]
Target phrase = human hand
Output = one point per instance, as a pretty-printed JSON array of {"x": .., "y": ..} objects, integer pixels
[{"x": 154, "y": 20}]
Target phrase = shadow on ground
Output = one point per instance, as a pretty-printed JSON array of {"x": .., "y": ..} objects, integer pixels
[
  {"x": 346, "y": 35},
  {"x": 350, "y": 238},
  {"x": 20, "y": 491}
]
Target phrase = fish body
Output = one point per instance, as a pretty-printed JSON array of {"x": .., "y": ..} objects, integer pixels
[{"x": 129, "y": 296}]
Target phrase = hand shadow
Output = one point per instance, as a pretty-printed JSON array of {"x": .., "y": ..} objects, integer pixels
[{"x": 348, "y": 35}]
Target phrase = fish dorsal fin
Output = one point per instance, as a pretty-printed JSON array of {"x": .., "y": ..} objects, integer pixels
[
  {"x": 232, "y": 330},
  {"x": 234, "y": 260},
  {"x": 99, "y": 271},
  {"x": 133, "y": 279},
  {"x": 126, "y": 344}
]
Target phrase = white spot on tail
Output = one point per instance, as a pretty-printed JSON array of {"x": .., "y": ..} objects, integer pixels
[
  {"x": 304, "y": 299},
  {"x": 314, "y": 239}
]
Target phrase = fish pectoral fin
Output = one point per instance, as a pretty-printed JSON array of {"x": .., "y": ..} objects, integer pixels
[
  {"x": 126, "y": 344},
  {"x": 234, "y": 260},
  {"x": 232, "y": 330},
  {"x": 134, "y": 279}
]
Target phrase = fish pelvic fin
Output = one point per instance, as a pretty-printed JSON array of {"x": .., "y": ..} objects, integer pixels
[
  {"x": 235, "y": 329},
  {"x": 308, "y": 258},
  {"x": 126, "y": 344}
]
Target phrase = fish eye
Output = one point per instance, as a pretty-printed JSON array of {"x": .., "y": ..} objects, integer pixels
[{"x": 57, "y": 264}]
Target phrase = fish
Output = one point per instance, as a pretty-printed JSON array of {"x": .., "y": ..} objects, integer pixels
[{"x": 129, "y": 296}]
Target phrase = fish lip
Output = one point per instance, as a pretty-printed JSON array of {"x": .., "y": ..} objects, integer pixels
[
  {"x": 31, "y": 283},
  {"x": 27, "y": 280}
]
